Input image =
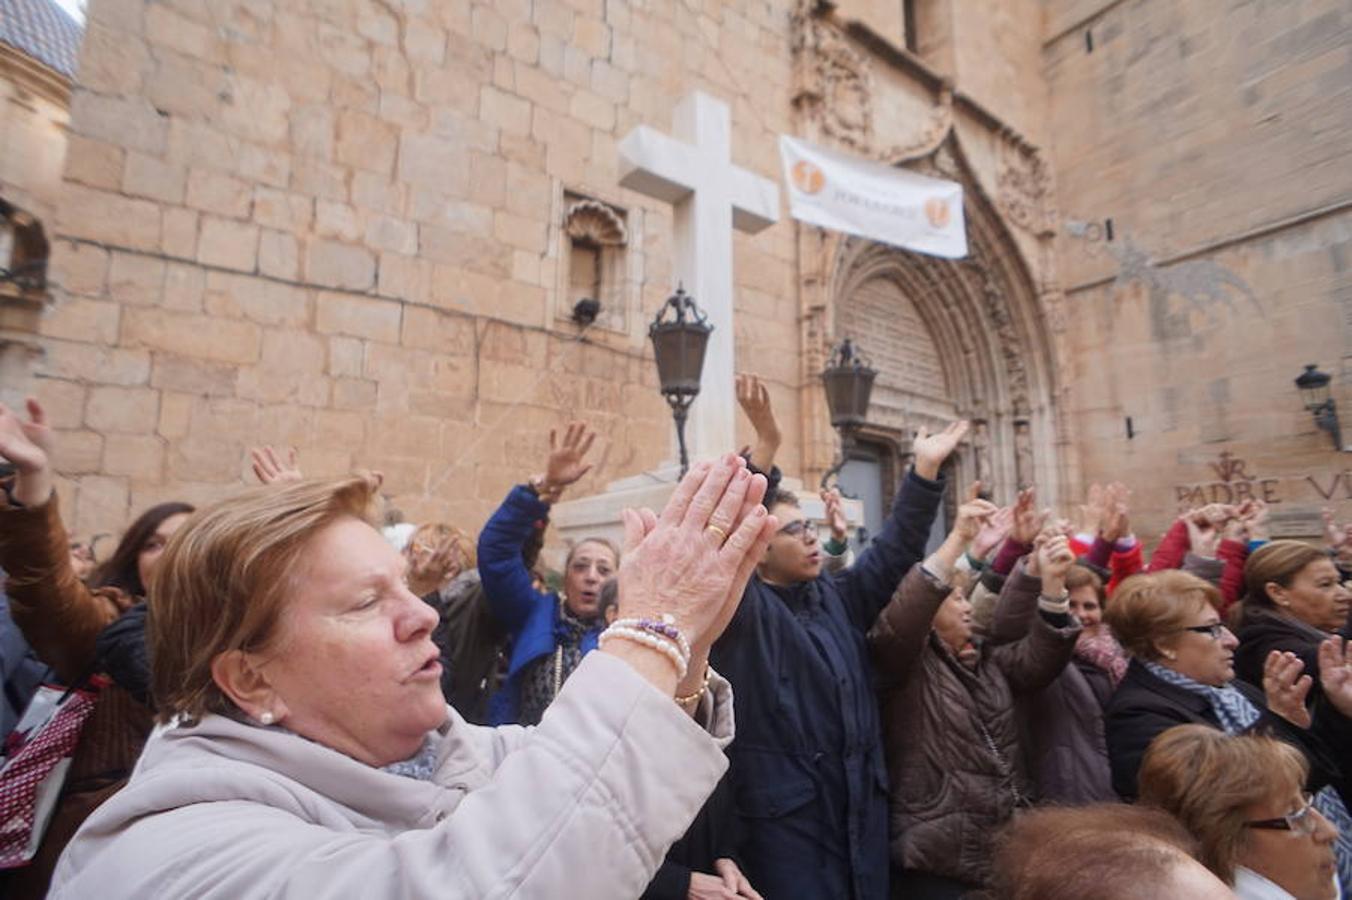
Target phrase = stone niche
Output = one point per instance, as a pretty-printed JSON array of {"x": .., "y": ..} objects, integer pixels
[{"x": 594, "y": 261}]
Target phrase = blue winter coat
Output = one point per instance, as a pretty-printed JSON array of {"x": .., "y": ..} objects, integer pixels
[
  {"x": 529, "y": 616},
  {"x": 808, "y": 762}
]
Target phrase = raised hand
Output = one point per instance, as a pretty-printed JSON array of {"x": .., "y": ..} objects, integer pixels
[
  {"x": 1054, "y": 559},
  {"x": 835, "y": 516},
  {"x": 992, "y": 533},
  {"x": 972, "y": 515},
  {"x": 565, "y": 465},
  {"x": 1028, "y": 520},
  {"x": 270, "y": 468},
  {"x": 1204, "y": 536},
  {"x": 1286, "y": 687},
  {"x": 693, "y": 561},
  {"x": 1093, "y": 509},
  {"x": 932, "y": 449},
  {"x": 1335, "y": 673},
  {"x": 28, "y": 444},
  {"x": 431, "y": 566},
  {"x": 754, "y": 399},
  {"x": 1114, "y": 521}
]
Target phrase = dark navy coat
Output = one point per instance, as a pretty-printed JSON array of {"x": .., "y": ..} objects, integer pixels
[{"x": 807, "y": 761}]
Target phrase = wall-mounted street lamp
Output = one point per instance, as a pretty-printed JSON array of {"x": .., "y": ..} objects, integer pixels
[
  {"x": 679, "y": 343},
  {"x": 1314, "y": 388},
  {"x": 848, "y": 379}
]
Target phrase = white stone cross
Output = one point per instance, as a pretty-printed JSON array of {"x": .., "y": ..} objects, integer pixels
[{"x": 694, "y": 172}]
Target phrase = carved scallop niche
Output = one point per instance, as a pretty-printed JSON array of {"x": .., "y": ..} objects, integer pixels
[{"x": 594, "y": 260}]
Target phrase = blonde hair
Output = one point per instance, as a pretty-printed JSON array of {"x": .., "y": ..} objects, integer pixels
[
  {"x": 223, "y": 579},
  {"x": 1208, "y": 778},
  {"x": 434, "y": 534},
  {"x": 1148, "y": 607},
  {"x": 1276, "y": 562}
]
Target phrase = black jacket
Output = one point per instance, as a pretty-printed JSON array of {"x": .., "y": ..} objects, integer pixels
[
  {"x": 1145, "y": 706},
  {"x": 1262, "y": 630},
  {"x": 712, "y": 836},
  {"x": 122, "y": 650},
  {"x": 811, "y": 778}
]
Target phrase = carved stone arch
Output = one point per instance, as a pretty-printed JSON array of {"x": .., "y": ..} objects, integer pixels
[{"x": 984, "y": 317}]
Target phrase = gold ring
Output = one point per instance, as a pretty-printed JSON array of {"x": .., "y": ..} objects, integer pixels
[{"x": 722, "y": 535}]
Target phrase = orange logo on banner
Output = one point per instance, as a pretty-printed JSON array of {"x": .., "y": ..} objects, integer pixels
[
  {"x": 936, "y": 210},
  {"x": 808, "y": 177}
]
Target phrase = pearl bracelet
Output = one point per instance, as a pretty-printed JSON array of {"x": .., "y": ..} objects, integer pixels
[
  {"x": 648, "y": 639},
  {"x": 666, "y": 628}
]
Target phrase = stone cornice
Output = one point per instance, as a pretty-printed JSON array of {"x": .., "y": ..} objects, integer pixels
[{"x": 27, "y": 73}]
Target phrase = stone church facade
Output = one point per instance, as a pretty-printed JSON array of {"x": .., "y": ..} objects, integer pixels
[{"x": 360, "y": 227}]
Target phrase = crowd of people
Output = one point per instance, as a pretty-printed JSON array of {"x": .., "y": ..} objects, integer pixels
[{"x": 299, "y": 695}]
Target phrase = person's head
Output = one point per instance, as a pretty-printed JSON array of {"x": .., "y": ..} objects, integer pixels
[
  {"x": 590, "y": 562},
  {"x": 793, "y": 555},
  {"x": 1170, "y": 618},
  {"x": 609, "y": 603},
  {"x": 953, "y": 621},
  {"x": 284, "y": 604},
  {"x": 426, "y": 540},
  {"x": 1109, "y": 851},
  {"x": 1297, "y": 580},
  {"x": 1220, "y": 786},
  {"x": 139, "y": 550},
  {"x": 81, "y": 559},
  {"x": 1086, "y": 598}
]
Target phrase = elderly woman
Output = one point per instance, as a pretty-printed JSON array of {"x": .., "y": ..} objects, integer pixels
[
  {"x": 306, "y": 750},
  {"x": 1182, "y": 673},
  {"x": 1063, "y": 724},
  {"x": 1244, "y": 799},
  {"x": 1293, "y": 602},
  {"x": 953, "y": 755},
  {"x": 550, "y": 633}
]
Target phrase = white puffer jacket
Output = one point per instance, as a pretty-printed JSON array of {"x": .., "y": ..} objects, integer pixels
[{"x": 585, "y": 805}]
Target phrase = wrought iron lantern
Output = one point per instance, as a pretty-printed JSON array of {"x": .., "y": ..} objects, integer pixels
[
  {"x": 1314, "y": 389},
  {"x": 680, "y": 335},
  {"x": 848, "y": 380}
]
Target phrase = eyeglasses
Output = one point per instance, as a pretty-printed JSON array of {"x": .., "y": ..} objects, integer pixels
[
  {"x": 800, "y": 529},
  {"x": 1216, "y": 630},
  {"x": 1302, "y": 821}
]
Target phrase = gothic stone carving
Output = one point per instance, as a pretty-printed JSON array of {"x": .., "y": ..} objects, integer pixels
[
  {"x": 833, "y": 83},
  {"x": 1024, "y": 188}
]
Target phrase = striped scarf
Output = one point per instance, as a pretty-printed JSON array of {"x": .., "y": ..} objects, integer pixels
[{"x": 1233, "y": 710}]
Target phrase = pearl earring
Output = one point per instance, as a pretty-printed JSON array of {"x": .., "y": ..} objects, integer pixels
[
  {"x": 266, "y": 718},
  {"x": 1169, "y": 655}
]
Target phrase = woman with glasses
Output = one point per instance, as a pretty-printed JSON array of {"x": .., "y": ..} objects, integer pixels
[
  {"x": 1243, "y": 799},
  {"x": 1182, "y": 672},
  {"x": 1294, "y": 600}
]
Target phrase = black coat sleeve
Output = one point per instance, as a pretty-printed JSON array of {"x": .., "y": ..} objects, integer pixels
[{"x": 868, "y": 585}]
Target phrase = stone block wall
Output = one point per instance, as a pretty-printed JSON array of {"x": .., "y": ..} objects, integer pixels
[
  {"x": 1214, "y": 137},
  {"x": 334, "y": 224}
]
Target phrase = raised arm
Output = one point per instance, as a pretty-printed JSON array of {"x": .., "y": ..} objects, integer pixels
[
  {"x": 507, "y": 582},
  {"x": 59, "y": 616},
  {"x": 1034, "y": 661},
  {"x": 754, "y": 399},
  {"x": 898, "y": 636},
  {"x": 868, "y": 584}
]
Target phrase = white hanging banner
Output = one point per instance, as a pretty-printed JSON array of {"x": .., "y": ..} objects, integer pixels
[{"x": 885, "y": 203}]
